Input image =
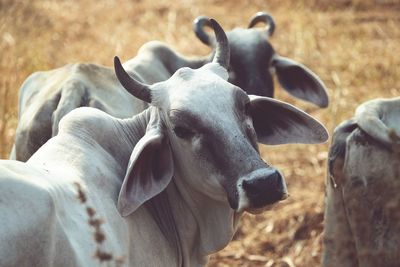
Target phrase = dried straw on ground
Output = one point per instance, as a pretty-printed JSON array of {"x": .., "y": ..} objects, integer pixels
[{"x": 353, "y": 45}]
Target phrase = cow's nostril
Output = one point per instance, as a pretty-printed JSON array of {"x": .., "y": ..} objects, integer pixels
[
  {"x": 260, "y": 184},
  {"x": 266, "y": 189}
]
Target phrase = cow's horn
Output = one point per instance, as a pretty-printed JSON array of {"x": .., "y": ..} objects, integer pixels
[
  {"x": 136, "y": 88},
  {"x": 198, "y": 26},
  {"x": 266, "y": 18},
  {"x": 222, "y": 53}
]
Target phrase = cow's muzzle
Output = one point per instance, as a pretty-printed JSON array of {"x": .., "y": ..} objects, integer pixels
[{"x": 261, "y": 188}]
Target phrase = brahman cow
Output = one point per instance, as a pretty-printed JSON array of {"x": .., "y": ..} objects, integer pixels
[
  {"x": 169, "y": 184},
  {"x": 362, "y": 218},
  {"x": 254, "y": 61},
  {"x": 45, "y": 97}
]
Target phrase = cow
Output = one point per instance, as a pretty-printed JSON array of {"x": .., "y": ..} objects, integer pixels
[
  {"x": 165, "y": 187},
  {"x": 45, "y": 97},
  {"x": 254, "y": 62},
  {"x": 362, "y": 202}
]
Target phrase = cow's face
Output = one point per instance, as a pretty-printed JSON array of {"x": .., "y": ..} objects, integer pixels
[
  {"x": 209, "y": 125},
  {"x": 251, "y": 66},
  {"x": 214, "y": 142},
  {"x": 254, "y": 62}
]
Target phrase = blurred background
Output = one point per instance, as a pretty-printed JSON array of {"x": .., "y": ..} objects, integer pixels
[{"x": 352, "y": 45}]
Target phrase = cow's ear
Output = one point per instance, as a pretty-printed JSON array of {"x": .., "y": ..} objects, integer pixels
[
  {"x": 300, "y": 81},
  {"x": 277, "y": 122},
  {"x": 149, "y": 171}
]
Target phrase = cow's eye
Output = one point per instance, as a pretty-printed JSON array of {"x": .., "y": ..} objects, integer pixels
[{"x": 183, "y": 132}]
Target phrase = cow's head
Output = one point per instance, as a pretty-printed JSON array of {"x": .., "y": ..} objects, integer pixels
[
  {"x": 205, "y": 130},
  {"x": 254, "y": 61}
]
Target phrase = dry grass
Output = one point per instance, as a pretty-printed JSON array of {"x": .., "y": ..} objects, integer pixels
[{"x": 353, "y": 45}]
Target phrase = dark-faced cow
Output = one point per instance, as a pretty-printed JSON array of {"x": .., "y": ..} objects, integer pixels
[
  {"x": 169, "y": 183},
  {"x": 254, "y": 61},
  {"x": 362, "y": 216}
]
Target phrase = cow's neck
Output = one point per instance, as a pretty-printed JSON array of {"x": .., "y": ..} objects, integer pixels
[
  {"x": 194, "y": 224},
  {"x": 203, "y": 225},
  {"x": 129, "y": 132}
]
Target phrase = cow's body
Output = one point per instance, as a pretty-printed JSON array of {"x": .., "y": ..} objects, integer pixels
[
  {"x": 46, "y": 222},
  {"x": 362, "y": 204},
  {"x": 47, "y": 96},
  {"x": 51, "y": 225}
]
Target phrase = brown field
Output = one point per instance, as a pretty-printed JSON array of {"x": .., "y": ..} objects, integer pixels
[{"x": 353, "y": 45}]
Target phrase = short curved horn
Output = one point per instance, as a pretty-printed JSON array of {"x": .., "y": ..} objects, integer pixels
[
  {"x": 198, "y": 26},
  {"x": 266, "y": 18},
  {"x": 136, "y": 88},
  {"x": 222, "y": 52}
]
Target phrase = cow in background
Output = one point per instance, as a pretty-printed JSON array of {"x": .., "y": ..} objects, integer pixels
[{"x": 254, "y": 62}]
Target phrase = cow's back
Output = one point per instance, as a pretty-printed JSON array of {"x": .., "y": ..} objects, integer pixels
[
  {"x": 46, "y": 97},
  {"x": 45, "y": 226},
  {"x": 66, "y": 177}
]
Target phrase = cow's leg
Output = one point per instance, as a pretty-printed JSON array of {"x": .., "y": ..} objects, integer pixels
[{"x": 33, "y": 134}]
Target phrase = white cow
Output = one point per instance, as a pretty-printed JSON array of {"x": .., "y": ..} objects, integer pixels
[
  {"x": 46, "y": 96},
  {"x": 362, "y": 216},
  {"x": 170, "y": 183}
]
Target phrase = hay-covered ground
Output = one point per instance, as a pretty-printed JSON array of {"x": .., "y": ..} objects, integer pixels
[{"x": 353, "y": 45}]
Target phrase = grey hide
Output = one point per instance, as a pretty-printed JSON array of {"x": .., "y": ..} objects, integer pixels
[
  {"x": 254, "y": 62},
  {"x": 362, "y": 218},
  {"x": 46, "y": 96},
  {"x": 169, "y": 184}
]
